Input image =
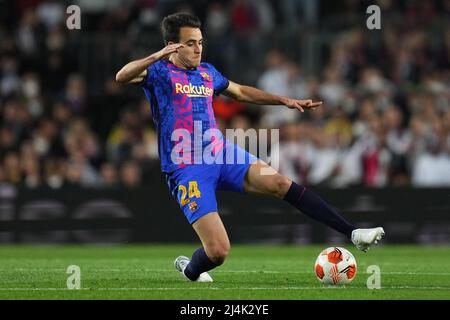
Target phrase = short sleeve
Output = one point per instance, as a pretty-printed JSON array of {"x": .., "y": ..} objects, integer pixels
[
  {"x": 220, "y": 83},
  {"x": 149, "y": 77}
]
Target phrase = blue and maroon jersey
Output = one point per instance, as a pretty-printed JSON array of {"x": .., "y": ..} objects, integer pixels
[{"x": 182, "y": 99}]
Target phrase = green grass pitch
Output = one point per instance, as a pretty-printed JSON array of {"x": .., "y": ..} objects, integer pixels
[{"x": 250, "y": 272}]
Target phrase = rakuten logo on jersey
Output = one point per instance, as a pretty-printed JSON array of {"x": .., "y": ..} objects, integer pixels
[{"x": 193, "y": 91}]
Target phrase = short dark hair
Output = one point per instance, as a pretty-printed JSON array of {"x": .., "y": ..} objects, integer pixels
[{"x": 171, "y": 25}]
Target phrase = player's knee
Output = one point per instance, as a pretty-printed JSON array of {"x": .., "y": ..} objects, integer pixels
[
  {"x": 218, "y": 253},
  {"x": 280, "y": 185}
]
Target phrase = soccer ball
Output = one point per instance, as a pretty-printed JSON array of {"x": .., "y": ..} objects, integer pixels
[{"x": 335, "y": 265}]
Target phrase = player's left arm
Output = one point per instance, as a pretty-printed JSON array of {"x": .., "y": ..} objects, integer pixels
[{"x": 253, "y": 95}]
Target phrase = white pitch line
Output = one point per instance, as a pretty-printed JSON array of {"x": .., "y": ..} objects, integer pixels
[
  {"x": 217, "y": 288},
  {"x": 419, "y": 273},
  {"x": 218, "y": 271},
  {"x": 307, "y": 272}
]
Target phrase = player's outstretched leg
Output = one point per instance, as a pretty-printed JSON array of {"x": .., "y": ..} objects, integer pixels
[
  {"x": 307, "y": 202},
  {"x": 216, "y": 246}
]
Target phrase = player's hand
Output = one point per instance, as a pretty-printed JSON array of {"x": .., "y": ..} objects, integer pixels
[
  {"x": 302, "y": 104},
  {"x": 168, "y": 50}
]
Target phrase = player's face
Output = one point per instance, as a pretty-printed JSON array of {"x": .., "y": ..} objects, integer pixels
[{"x": 191, "y": 54}]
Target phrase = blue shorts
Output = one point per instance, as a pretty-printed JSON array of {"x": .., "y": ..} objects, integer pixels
[{"x": 195, "y": 185}]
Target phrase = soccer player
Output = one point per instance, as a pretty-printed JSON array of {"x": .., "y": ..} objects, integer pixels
[{"x": 180, "y": 89}]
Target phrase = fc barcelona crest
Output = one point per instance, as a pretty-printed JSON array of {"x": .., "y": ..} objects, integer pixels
[
  {"x": 205, "y": 76},
  {"x": 193, "y": 206}
]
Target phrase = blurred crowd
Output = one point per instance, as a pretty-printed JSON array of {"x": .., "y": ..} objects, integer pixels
[
  {"x": 388, "y": 126},
  {"x": 385, "y": 119}
]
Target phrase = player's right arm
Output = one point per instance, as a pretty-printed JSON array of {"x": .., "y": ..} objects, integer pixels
[{"x": 135, "y": 71}]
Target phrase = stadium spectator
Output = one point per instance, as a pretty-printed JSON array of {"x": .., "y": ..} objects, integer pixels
[
  {"x": 109, "y": 176},
  {"x": 275, "y": 79},
  {"x": 130, "y": 174}
]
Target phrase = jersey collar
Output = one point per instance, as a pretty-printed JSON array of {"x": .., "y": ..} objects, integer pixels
[{"x": 182, "y": 69}]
